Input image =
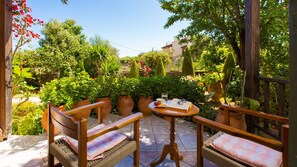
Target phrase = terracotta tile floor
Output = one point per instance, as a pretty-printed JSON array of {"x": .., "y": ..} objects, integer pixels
[{"x": 31, "y": 151}]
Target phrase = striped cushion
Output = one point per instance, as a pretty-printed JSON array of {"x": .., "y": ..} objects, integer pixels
[
  {"x": 246, "y": 151},
  {"x": 96, "y": 147}
]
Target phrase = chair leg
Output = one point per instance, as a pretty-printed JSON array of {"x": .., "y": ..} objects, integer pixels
[
  {"x": 136, "y": 138},
  {"x": 50, "y": 160},
  {"x": 199, "y": 129}
]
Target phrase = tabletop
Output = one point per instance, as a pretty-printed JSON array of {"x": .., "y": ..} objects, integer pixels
[{"x": 167, "y": 111}]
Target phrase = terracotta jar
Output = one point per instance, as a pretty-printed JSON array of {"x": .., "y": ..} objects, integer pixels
[
  {"x": 143, "y": 103},
  {"x": 106, "y": 108},
  {"x": 125, "y": 105},
  {"x": 237, "y": 120},
  {"x": 216, "y": 87}
]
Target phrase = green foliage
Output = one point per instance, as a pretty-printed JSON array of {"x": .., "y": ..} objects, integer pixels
[
  {"x": 153, "y": 57},
  {"x": 160, "y": 69},
  {"x": 228, "y": 68},
  {"x": 127, "y": 86},
  {"x": 111, "y": 66},
  {"x": 211, "y": 78},
  {"x": 68, "y": 90},
  {"x": 134, "y": 71},
  {"x": 145, "y": 87},
  {"x": 188, "y": 68},
  {"x": 216, "y": 20},
  {"x": 104, "y": 86},
  {"x": 61, "y": 49},
  {"x": 26, "y": 119}
]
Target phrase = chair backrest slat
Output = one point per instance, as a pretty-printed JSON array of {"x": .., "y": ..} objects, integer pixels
[{"x": 64, "y": 123}]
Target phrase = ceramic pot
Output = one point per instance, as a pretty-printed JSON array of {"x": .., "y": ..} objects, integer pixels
[
  {"x": 125, "y": 105},
  {"x": 237, "y": 120},
  {"x": 143, "y": 103},
  {"x": 106, "y": 107},
  {"x": 216, "y": 87},
  {"x": 84, "y": 114}
]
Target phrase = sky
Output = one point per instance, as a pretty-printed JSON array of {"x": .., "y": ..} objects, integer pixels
[{"x": 131, "y": 26}]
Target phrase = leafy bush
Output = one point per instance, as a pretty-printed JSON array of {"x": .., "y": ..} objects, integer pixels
[
  {"x": 127, "y": 86},
  {"x": 26, "y": 119},
  {"x": 68, "y": 90},
  {"x": 110, "y": 66},
  {"x": 153, "y": 57}
]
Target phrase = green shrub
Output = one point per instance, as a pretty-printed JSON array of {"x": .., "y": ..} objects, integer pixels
[
  {"x": 160, "y": 70},
  {"x": 134, "y": 71},
  {"x": 26, "y": 119},
  {"x": 68, "y": 90},
  {"x": 153, "y": 57},
  {"x": 188, "y": 68}
]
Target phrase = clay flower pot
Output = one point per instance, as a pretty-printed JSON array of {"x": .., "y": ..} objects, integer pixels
[
  {"x": 106, "y": 108},
  {"x": 143, "y": 103},
  {"x": 125, "y": 105},
  {"x": 237, "y": 120},
  {"x": 216, "y": 87}
]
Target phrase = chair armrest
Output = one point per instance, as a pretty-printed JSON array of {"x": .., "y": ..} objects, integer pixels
[
  {"x": 255, "y": 113},
  {"x": 239, "y": 133},
  {"x": 117, "y": 125},
  {"x": 76, "y": 111}
]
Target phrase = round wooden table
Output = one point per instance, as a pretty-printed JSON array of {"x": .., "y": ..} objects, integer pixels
[{"x": 171, "y": 148}]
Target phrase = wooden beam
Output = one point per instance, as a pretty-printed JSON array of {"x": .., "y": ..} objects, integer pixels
[
  {"x": 293, "y": 84},
  {"x": 252, "y": 43},
  {"x": 5, "y": 68}
]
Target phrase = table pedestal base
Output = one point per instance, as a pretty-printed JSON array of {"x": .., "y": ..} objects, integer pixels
[{"x": 174, "y": 155}]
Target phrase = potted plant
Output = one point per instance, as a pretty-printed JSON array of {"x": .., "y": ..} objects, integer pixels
[
  {"x": 213, "y": 84},
  {"x": 67, "y": 93},
  {"x": 103, "y": 92},
  {"x": 145, "y": 93},
  {"x": 126, "y": 87}
]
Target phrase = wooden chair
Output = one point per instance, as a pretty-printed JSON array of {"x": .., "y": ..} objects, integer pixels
[
  {"x": 72, "y": 124},
  {"x": 205, "y": 150}
]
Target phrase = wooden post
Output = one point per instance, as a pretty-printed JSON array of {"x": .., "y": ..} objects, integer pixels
[
  {"x": 252, "y": 43},
  {"x": 5, "y": 68},
  {"x": 293, "y": 84}
]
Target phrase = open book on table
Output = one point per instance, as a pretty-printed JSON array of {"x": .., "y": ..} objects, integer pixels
[{"x": 179, "y": 104}]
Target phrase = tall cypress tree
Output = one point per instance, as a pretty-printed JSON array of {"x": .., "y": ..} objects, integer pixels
[
  {"x": 188, "y": 68},
  {"x": 160, "y": 69},
  {"x": 134, "y": 71}
]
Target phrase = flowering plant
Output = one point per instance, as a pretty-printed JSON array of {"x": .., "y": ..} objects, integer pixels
[
  {"x": 21, "y": 23},
  {"x": 144, "y": 70}
]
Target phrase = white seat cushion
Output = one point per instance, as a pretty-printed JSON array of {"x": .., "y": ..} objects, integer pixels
[{"x": 246, "y": 151}]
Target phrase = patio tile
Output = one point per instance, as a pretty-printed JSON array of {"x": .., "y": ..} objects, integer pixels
[
  {"x": 146, "y": 157},
  {"x": 161, "y": 129},
  {"x": 170, "y": 163},
  {"x": 147, "y": 142},
  {"x": 164, "y": 139},
  {"x": 146, "y": 129},
  {"x": 185, "y": 129},
  {"x": 146, "y": 121},
  {"x": 189, "y": 141}
]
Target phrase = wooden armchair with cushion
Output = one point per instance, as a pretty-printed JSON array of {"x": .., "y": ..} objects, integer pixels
[
  {"x": 98, "y": 146},
  {"x": 233, "y": 147}
]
